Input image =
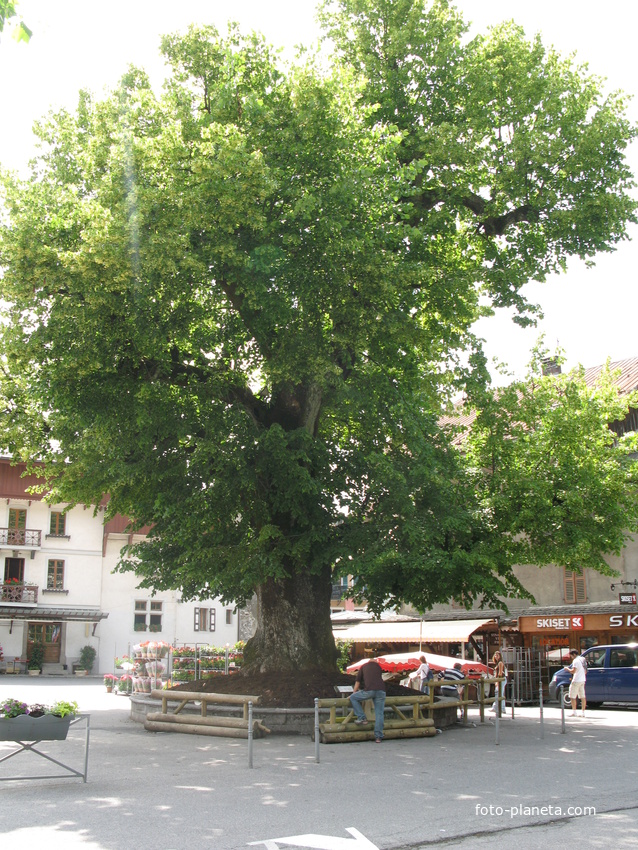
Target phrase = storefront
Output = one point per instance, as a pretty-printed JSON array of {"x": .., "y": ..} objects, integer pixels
[
  {"x": 463, "y": 638},
  {"x": 551, "y": 631}
]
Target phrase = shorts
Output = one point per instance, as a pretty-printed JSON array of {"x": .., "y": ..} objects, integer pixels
[{"x": 577, "y": 690}]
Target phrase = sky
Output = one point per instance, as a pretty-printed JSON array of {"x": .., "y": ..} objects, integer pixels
[{"x": 590, "y": 313}]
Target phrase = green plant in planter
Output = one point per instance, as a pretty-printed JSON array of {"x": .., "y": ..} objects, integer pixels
[
  {"x": 36, "y": 658},
  {"x": 62, "y": 708},
  {"x": 87, "y": 658}
]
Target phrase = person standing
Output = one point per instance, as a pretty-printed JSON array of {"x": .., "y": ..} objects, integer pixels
[
  {"x": 423, "y": 674},
  {"x": 500, "y": 672},
  {"x": 577, "y": 686},
  {"x": 369, "y": 684}
]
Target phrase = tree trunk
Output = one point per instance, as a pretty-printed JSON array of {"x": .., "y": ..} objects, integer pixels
[{"x": 293, "y": 625}]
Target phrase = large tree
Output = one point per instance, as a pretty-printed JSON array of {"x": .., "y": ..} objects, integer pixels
[{"x": 240, "y": 309}]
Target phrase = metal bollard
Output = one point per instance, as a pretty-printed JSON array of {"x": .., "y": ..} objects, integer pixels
[
  {"x": 540, "y": 693},
  {"x": 250, "y": 734},
  {"x": 561, "y": 697},
  {"x": 496, "y": 727},
  {"x": 317, "y": 730}
]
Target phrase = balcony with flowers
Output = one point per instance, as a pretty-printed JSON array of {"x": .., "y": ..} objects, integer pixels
[{"x": 12, "y": 590}]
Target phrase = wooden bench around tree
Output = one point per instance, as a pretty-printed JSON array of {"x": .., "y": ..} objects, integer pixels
[
  {"x": 341, "y": 730},
  {"x": 204, "y": 724}
]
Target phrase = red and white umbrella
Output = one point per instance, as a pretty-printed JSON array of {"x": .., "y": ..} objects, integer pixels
[{"x": 405, "y": 661}]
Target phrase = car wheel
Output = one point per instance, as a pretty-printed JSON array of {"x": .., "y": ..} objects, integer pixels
[{"x": 566, "y": 700}]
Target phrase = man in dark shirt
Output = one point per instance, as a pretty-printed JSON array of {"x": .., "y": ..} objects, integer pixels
[{"x": 369, "y": 684}]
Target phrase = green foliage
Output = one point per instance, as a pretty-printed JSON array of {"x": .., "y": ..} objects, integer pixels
[
  {"x": 557, "y": 483},
  {"x": 21, "y": 31},
  {"x": 62, "y": 708},
  {"x": 88, "y": 655},
  {"x": 241, "y": 309},
  {"x": 344, "y": 647},
  {"x": 36, "y": 658}
]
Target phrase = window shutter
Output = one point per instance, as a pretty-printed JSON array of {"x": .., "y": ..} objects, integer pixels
[{"x": 575, "y": 587}]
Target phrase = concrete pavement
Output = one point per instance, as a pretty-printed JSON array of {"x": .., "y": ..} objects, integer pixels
[{"x": 169, "y": 791}]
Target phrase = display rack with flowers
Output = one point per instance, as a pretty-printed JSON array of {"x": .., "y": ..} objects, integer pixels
[
  {"x": 149, "y": 669},
  {"x": 188, "y": 663}
]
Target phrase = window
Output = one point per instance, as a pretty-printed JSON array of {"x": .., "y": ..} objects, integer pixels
[
  {"x": 16, "y": 533},
  {"x": 204, "y": 619},
  {"x": 57, "y": 526},
  {"x": 155, "y": 624},
  {"x": 622, "y": 658},
  {"x": 229, "y": 616},
  {"x": 575, "y": 589},
  {"x": 596, "y": 658},
  {"x": 17, "y": 518},
  {"x": 139, "y": 618},
  {"x": 55, "y": 575}
]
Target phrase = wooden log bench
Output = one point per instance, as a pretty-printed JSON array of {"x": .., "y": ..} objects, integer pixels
[
  {"x": 341, "y": 730},
  {"x": 204, "y": 724}
]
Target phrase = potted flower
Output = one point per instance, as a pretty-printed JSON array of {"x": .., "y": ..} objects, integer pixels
[
  {"x": 22, "y": 722},
  {"x": 109, "y": 682},
  {"x": 125, "y": 684},
  {"x": 87, "y": 658}
]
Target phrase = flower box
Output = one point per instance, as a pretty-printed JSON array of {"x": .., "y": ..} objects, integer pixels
[{"x": 28, "y": 728}]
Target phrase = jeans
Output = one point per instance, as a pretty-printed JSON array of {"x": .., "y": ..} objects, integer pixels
[{"x": 379, "y": 704}]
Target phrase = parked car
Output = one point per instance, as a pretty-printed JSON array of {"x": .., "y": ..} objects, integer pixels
[{"x": 612, "y": 675}]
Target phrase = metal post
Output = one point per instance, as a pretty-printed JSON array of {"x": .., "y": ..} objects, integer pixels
[
  {"x": 561, "y": 697},
  {"x": 496, "y": 726},
  {"x": 540, "y": 692},
  {"x": 317, "y": 730},
  {"x": 86, "y": 747},
  {"x": 250, "y": 734},
  {"x": 512, "y": 694},
  {"x": 226, "y": 661}
]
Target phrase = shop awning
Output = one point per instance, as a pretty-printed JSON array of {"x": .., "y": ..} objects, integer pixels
[
  {"x": 414, "y": 632},
  {"x": 51, "y": 615}
]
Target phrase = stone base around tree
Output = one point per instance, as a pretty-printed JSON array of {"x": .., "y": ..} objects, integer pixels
[{"x": 280, "y": 721}]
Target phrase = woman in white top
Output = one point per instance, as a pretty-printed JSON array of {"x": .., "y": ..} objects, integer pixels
[{"x": 423, "y": 674}]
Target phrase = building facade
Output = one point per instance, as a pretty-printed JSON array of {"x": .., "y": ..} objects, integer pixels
[{"x": 58, "y": 587}]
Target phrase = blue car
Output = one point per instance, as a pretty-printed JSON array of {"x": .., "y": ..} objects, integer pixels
[{"x": 612, "y": 675}]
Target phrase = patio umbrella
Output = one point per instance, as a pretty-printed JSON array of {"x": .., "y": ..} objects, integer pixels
[{"x": 405, "y": 661}]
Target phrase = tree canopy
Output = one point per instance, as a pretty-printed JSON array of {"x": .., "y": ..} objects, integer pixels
[
  {"x": 240, "y": 309},
  {"x": 8, "y": 10}
]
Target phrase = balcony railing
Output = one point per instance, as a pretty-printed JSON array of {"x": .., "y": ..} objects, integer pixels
[
  {"x": 15, "y": 591},
  {"x": 20, "y": 537}
]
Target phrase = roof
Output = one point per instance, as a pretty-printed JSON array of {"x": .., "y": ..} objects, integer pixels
[
  {"x": 626, "y": 382},
  {"x": 584, "y": 608},
  {"x": 415, "y": 631},
  {"x": 52, "y": 615}
]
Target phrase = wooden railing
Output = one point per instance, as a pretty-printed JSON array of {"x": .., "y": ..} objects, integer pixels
[
  {"x": 11, "y": 591},
  {"x": 20, "y": 537},
  {"x": 204, "y": 724}
]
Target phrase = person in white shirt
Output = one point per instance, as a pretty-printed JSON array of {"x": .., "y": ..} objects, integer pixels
[
  {"x": 577, "y": 686},
  {"x": 423, "y": 674}
]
